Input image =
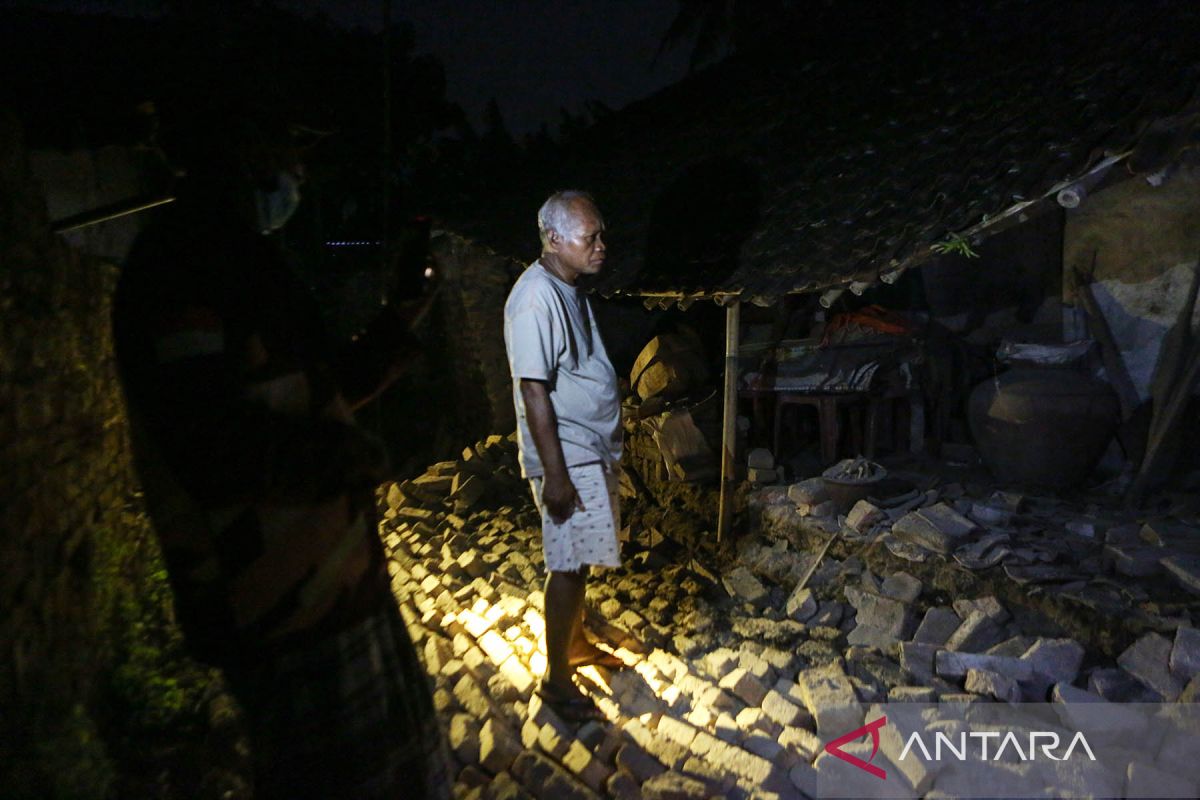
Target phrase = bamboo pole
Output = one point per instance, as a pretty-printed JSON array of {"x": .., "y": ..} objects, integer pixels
[
  {"x": 109, "y": 212},
  {"x": 729, "y": 418}
]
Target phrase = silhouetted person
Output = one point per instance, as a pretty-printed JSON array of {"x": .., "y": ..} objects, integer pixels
[{"x": 261, "y": 486}]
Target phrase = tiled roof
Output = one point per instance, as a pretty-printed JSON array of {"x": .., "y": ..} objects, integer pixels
[{"x": 799, "y": 176}]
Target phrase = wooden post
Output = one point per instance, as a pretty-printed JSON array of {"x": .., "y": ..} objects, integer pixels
[{"x": 729, "y": 418}]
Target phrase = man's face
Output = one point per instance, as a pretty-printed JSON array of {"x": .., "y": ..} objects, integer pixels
[{"x": 581, "y": 252}]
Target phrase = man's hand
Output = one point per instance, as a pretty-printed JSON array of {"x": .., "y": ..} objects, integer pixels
[{"x": 560, "y": 498}]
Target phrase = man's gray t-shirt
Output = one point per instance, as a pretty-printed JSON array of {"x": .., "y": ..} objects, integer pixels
[{"x": 551, "y": 335}]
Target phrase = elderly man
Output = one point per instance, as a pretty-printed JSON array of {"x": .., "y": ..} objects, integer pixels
[{"x": 569, "y": 428}]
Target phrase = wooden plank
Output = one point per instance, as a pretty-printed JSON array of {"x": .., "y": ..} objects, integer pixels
[{"x": 729, "y": 420}]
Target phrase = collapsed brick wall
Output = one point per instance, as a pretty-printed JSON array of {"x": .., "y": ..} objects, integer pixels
[
  {"x": 66, "y": 472},
  {"x": 476, "y": 284}
]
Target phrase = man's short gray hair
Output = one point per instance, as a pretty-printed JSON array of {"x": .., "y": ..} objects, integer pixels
[{"x": 556, "y": 215}]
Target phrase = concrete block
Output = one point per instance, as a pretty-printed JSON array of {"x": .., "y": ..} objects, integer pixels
[
  {"x": 781, "y": 710},
  {"x": 1148, "y": 660},
  {"x": 938, "y": 625},
  {"x": 1185, "y": 653},
  {"x": 498, "y": 748},
  {"x": 744, "y": 686},
  {"x": 741, "y": 584},
  {"x": 993, "y": 684},
  {"x": 977, "y": 633},
  {"x": 829, "y": 696},
  {"x": 938, "y": 528}
]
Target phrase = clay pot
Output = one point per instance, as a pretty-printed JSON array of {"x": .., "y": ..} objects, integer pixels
[
  {"x": 1039, "y": 425},
  {"x": 845, "y": 492}
]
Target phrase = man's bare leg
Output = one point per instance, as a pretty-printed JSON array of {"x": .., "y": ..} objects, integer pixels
[{"x": 564, "y": 613}]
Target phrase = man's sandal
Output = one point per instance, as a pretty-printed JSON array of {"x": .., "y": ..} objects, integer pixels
[
  {"x": 571, "y": 708},
  {"x": 598, "y": 658}
]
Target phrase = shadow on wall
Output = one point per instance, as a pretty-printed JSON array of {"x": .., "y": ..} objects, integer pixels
[{"x": 699, "y": 223}]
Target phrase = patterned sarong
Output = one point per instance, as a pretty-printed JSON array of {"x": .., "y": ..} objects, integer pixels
[
  {"x": 588, "y": 536},
  {"x": 348, "y": 717}
]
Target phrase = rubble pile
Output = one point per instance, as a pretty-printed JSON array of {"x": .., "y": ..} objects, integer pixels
[
  {"x": 1033, "y": 549},
  {"x": 1043, "y": 545},
  {"x": 739, "y": 671}
]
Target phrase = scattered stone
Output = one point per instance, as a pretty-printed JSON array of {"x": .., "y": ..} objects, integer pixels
[
  {"x": 904, "y": 550},
  {"x": 801, "y": 605},
  {"x": 1185, "y": 654},
  {"x": 463, "y": 738},
  {"x": 720, "y": 662},
  {"x": 545, "y": 778},
  {"x": 829, "y": 615},
  {"x": 1056, "y": 659},
  {"x": 1066, "y": 693},
  {"x": 1148, "y": 659},
  {"x": 744, "y": 686},
  {"x": 951, "y": 664},
  {"x": 989, "y": 605},
  {"x": 918, "y": 659},
  {"x": 912, "y": 694},
  {"x": 902, "y": 586},
  {"x": 591, "y": 771},
  {"x": 937, "y": 626},
  {"x": 993, "y": 684},
  {"x": 741, "y": 583},
  {"x": 1134, "y": 560},
  {"x": 757, "y": 475},
  {"x": 752, "y": 719},
  {"x": 467, "y": 494},
  {"x": 984, "y": 553},
  {"x": 891, "y": 618},
  {"x": 989, "y": 515},
  {"x": 1118, "y": 686},
  {"x": 638, "y": 763},
  {"x": 505, "y": 787},
  {"x": 938, "y": 528},
  {"x": 809, "y": 492},
  {"x": 1085, "y": 528},
  {"x": 623, "y": 786},
  {"x": 823, "y": 510},
  {"x": 782, "y": 710},
  {"x": 674, "y": 786},
  {"x": 1185, "y": 569},
  {"x": 498, "y": 748},
  {"x": 760, "y": 458},
  {"x": 829, "y": 696},
  {"x": 863, "y": 515},
  {"x": 1009, "y": 501},
  {"x": 976, "y": 634},
  {"x": 1014, "y": 646},
  {"x": 764, "y": 746},
  {"x": 804, "y": 777}
]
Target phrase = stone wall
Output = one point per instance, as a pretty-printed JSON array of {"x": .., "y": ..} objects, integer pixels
[
  {"x": 64, "y": 495},
  {"x": 1146, "y": 240},
  {"x": 476, "y": 283}
]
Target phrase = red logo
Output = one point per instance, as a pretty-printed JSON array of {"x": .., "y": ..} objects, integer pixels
[{"x": 834, "y": 748}]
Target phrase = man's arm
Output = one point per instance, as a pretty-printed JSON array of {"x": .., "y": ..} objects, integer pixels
[{"x": 558, "y": 493}]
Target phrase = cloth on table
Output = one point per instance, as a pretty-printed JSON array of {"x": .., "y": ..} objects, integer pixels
[{"x": 810, "y": 368}]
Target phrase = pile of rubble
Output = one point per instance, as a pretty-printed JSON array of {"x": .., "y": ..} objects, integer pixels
[
  {"x": 738, "y": 672},
  {"x": 1045, "y": 545}
]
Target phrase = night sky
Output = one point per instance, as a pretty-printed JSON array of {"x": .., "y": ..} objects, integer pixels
[{"x": 533, "y": 56}]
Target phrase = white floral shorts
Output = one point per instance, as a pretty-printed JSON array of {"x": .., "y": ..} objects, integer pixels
[{"x": 588, "y": 536}]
